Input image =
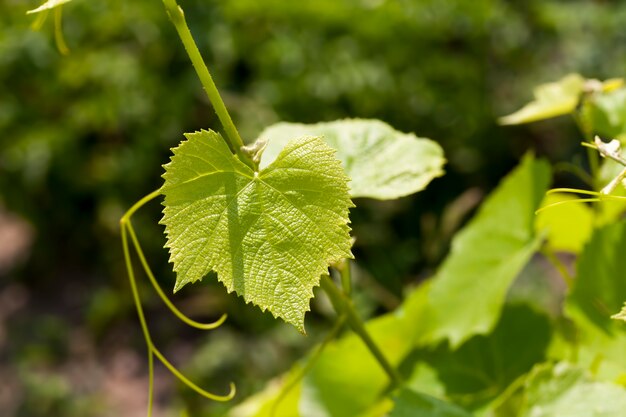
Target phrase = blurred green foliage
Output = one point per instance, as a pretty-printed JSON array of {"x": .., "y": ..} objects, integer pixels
[{"x": 83, "y": 136}]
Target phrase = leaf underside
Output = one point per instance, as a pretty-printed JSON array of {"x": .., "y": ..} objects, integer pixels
[
  {"x": 268, "y": 235},
  {"x": 381, "y": 162},
  {"x": 551, "y": 100}
]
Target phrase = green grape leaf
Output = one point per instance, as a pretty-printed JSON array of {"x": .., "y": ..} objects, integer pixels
[
  {"x": 268, "y": 235},
  {"x": 415, "y": 404},
  {"x": 608, "y": 113},
  {"x": 470, "y": 287},
  {"x": 564, "y": 390},
  {"x": 50, "y": 4},
  {"x": 597, "y": 293},
  {"x": 483, "y": 367},
  {"x": 551, "y": 100},
  {"x": 381, "y": 162},
  {"x": 598, "y": 290},
  {"x": 567, "y": 226}
]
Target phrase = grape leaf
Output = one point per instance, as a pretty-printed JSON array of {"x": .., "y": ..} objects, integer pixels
[
  {"x": 268, "y": 235},
  {"x": 381, "y": 162},
  {"x": 484, "y": 366},
  {"x": 598, "y": 290},
  {"x": 551, "y": 100},
  {"x": 567, "y": 226},
  {"x": 415, "y": 404},
  {"x": 486, "y": 256},
  {"x": 564, "y": 390},
  {"x": 50, "y": 4}
]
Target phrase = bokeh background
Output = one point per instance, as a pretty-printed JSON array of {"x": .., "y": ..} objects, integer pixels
[{"x": 83, "y": 136}]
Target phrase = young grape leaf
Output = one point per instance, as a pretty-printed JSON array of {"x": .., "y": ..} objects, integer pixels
[
  {"x": 268, "y": 235},
  {"x": 381, "y": 162},
  {"x": 415, "y": 404},
  {"x": 564, "y": 390},
  {"x": 50, "y": 4},
  {"x": 469, "y": 289},
  {"x": 551, "y": 100}
]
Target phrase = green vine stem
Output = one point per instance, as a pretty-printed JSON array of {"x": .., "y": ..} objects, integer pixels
[
  {"x": 127, "y": 229},
  {"x": 177, "y": 17},
  {"x": 556, "y": 262},
  {"x": 343, "y": 305}
]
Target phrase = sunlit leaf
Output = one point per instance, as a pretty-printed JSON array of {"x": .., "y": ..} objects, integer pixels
[
  {"x": 268, "y": 235},
  {"x": 567, "y": 226},
  {"x": 563, "y": 390},
  {"x": 50, "y": 4},
  {"x": 381, "y": 162},
  {"x": 551, "y": 100},
  {"x": 470, "y": 287},
  {"x": 415, "y": 404}
]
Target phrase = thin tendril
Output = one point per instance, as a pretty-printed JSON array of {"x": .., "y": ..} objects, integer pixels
[
  {"x": 127, "y": 228},
  {"x": 150, "y": 381},
  {"x": 572, "y": 190},
  {"x": 157, "y": 288},
  {"x": 184, "y": 380},
  {"x": 558, "y": 203},
  {"x": 142, "y": 320},
  {"x": 307, "y": 367}
]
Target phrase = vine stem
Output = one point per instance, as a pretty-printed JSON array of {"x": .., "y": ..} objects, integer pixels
[
  {"x": 177, "y": 17},
  {"x": 343, "y": 306},
  {"x": 556, "y": 262}
]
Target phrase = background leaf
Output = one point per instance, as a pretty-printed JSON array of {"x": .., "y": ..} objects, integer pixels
[
  {"x": 563, "y": 390},
  {"x": 268, "y": 235},
  {"x": 567, "y": 226},
  {"x": 381, "y": 162},
  {"x": 470, "y": 287},
  {"x": 551, "y": 100},
  {"x": 414, "y": 404},
  {"x": 598, "y": 290},
  {"x": 483, "y": 367}
]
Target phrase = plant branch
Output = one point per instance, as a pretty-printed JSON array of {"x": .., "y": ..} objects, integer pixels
[
  {"x": 556, "y": 262},
  {"x": 177, "y": 17},
  {"x": 343, "y": 305}
]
